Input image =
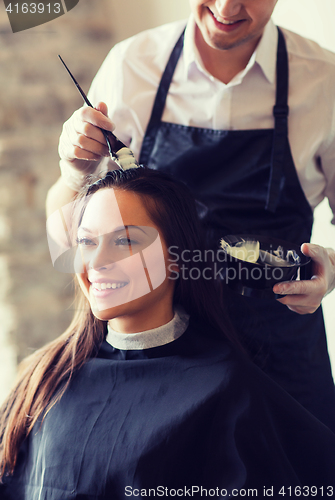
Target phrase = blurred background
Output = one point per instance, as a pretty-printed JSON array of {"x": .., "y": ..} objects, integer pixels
[{"x": 36, "y": 97}]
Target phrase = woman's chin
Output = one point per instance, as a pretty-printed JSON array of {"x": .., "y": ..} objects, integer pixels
[
  {"x": 104, "y": 315},
  {"x": 106, "y": 310}
]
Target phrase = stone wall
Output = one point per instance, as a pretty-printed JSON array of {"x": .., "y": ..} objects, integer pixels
[{"x": 36, "y": 97}]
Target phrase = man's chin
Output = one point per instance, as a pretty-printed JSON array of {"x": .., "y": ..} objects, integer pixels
[{"x": 220, "y": 43}]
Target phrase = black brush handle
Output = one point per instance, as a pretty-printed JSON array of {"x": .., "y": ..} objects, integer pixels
[{"x": 113, "y": 143}]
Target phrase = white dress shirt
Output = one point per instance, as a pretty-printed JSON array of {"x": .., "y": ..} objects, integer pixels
[{"x": 128, "y": 79}]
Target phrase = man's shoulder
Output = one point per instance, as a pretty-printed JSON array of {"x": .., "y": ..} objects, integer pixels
[
  {"x": 152, "y": 42},
  {"x": 303, "y": 48},
  {"x": 145, "y": 53}
]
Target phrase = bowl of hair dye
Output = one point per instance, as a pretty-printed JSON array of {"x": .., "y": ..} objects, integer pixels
[{"x": 254, "y": 264}]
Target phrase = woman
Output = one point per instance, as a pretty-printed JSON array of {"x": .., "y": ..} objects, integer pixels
[{"x": 161, "y": 402}]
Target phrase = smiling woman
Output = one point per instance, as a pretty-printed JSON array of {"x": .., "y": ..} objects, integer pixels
[
  {"x": 124, "y": 260},
  {"x": 147, "y": 390}
]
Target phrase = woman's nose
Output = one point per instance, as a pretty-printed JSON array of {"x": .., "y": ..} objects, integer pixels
[
  {"x": 100, "y": 258},
  {"x": 228, "y": 8}
]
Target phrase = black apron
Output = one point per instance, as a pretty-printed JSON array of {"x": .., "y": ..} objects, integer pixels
[{"x": 246, "y": 182}]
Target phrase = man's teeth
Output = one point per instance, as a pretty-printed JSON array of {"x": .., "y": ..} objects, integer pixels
[
  {"x": 222, "y": 21},
  {"x": 104, "y": 286}
]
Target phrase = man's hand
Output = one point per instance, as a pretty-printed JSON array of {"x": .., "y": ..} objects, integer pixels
[
  {"x": 82, "y": 144},
  {"x": 81, "y": 147},
  {"x": 304, "y": 297}
]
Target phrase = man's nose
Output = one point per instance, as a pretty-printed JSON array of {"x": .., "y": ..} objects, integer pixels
[{"x": 228, "y": 8}]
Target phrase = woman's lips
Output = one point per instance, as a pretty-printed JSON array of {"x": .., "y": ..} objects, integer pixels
[{"x": 103, "y": 289}]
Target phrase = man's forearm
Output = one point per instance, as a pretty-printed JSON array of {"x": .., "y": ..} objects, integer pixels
[{"x": 58, "y": 195}]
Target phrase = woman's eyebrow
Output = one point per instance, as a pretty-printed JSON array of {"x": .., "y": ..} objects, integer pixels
[
  {"x": 82, "y": 228},
  {"x": 138, "y": 227},
  {"x": 117, "y": 229},
  {"x": 122, "y": 228}
]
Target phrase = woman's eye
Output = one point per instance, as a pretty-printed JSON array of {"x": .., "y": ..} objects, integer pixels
[
  {"x": 85, "y": 241},
  {"x": 124, "y": 241}
]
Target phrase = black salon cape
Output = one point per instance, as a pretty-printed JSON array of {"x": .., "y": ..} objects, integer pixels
[{"x": 159, "y": 422}]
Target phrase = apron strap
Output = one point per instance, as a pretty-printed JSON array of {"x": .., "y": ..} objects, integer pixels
[
  {"x": 280, "y": 136},
  {"x": 159, "y": 104},
  {"x": 280, "y": 113}
]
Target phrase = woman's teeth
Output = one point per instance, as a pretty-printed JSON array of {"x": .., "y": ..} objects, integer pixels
[{"x": 105, "y": 286}]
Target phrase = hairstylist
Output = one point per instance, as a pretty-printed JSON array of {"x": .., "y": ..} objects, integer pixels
[{"x": 243, "y": 112}]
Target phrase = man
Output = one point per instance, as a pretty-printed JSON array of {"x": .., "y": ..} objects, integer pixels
[{"x": 219, "y": 121}]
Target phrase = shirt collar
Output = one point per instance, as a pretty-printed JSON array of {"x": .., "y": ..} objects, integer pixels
[
  {"x": 190, "y": 51},
  {"x": 265, "y": 54},
  {"x": 266, "y": 51}
]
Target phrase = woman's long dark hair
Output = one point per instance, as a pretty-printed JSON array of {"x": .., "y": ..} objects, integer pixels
[
  {"x": 172, "y": 208},
  {"x": 44, "y": 376}
]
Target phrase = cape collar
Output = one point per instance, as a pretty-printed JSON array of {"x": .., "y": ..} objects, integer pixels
[{"x": 150, "y": 338}]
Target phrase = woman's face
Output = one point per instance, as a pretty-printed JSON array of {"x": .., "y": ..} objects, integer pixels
[{"x": 124, "y": 258}]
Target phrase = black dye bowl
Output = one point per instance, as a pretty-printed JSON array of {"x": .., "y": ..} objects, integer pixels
[{"x": 256, "y": 279}]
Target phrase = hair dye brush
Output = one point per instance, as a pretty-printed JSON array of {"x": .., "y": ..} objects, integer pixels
[{"x": 118, "y": 151}]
